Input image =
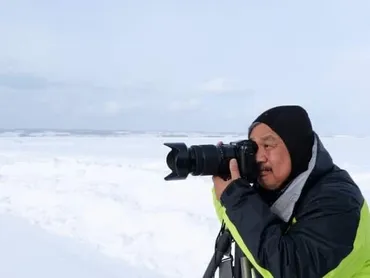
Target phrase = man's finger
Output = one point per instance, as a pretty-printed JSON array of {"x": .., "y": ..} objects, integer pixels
[
  {"x": 215, "y": 179},
  {"x": 234, "y": 170}
]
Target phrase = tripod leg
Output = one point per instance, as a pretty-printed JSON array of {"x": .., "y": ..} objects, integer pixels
[
  {"x": 222, "y": 248},
  {"x": 238, "y": 254},
  {"x": 226, "y": 265},
  {"x": 226, "y": 268},
  {"x": 246, "y": 268}
]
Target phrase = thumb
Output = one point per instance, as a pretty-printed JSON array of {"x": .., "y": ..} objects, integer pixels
[{"x": 234, "y": 170}]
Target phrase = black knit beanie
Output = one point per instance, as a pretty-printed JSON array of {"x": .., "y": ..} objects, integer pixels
[{"x": 293, "y": 125}]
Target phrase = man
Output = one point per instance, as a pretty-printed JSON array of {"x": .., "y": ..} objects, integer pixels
[{"x": 305, "y": 217}]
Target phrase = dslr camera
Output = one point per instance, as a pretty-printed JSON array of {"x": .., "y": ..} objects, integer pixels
[{"x": 203, "y": 160}]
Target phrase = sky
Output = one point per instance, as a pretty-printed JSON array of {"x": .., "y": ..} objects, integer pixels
[{"x": 183, "y": 65}]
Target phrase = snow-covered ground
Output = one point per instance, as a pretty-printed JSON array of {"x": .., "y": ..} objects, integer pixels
[{"x": 92, "y": 206}]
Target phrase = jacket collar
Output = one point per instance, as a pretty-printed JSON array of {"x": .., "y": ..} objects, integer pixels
[{"x": 320, "y": 163}]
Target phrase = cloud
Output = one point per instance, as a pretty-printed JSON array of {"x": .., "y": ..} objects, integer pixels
[
  {"x": 185, "y": 105},
  {"x": 223, "y": 85},
  {"x": 116, "y": 107},
  {"x": 21, "y": 81},
  {"x": 351, "y": 70},
  {"x": 111, "y": 107}
]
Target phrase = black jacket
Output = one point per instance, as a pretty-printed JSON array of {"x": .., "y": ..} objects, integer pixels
[{"x": 319, "y": 227}]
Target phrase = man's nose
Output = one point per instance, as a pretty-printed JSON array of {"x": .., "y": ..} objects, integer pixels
[{"x": 261, "y": 155}]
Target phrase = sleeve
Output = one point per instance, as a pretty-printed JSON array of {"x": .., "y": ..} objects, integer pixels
[{"x": 314, "y": 246}]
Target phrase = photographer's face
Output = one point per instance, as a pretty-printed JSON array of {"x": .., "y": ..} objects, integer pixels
[{"x": 272, "y": 155}]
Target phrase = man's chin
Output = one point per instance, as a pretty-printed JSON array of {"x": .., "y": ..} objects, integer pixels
[{"x": 263, "y": 182}]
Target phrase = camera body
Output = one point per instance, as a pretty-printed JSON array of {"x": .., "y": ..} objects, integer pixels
[{"x": 204, "y": 160}]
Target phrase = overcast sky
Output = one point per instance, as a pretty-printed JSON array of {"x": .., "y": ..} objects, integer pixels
[{"x": 183, "y": 65}]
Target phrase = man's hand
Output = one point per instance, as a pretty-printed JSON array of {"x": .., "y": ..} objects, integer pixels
[{"x": 220, "y": 184}]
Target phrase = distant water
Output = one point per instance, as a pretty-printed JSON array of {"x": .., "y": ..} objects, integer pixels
[{"x": 106, "y": 133}]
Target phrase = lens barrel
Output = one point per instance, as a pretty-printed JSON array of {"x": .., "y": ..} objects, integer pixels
[{"x": 199, "y": 160}]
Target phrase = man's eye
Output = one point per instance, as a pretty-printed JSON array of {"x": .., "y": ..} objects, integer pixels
[{"x": 269, "y": 145}]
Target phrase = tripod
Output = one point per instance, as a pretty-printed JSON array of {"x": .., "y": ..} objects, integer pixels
[{"x": 242, "y": 267}]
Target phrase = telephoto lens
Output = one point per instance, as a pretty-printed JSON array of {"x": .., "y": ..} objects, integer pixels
[{"x": 205, "y": 160}]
